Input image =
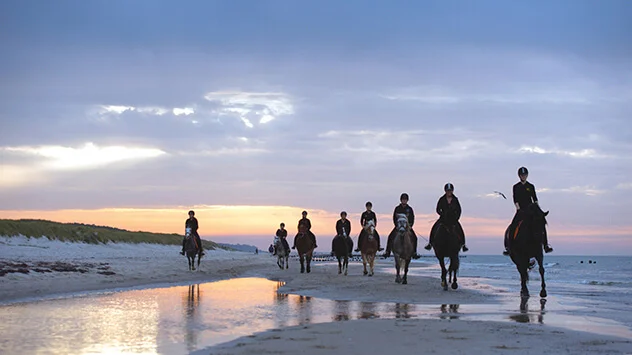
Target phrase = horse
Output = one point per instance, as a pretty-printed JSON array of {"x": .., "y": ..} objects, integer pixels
[
  {"x": 305, "y": 248},
  {"x": 191, "y": 248},
  {"x": 283, "y": 254},
  {"x": 446, "y": 244},
  {"x": 526, "y": 243},
  {"x": 342, "y": 247},
  {"x": 402, "y": 248},
  {"x": 369, "y": 247}
]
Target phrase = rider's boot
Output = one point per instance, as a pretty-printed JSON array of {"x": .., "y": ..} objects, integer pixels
[
  {"x": 548, "y": 249},
  {"x": 428, "y": 246}
]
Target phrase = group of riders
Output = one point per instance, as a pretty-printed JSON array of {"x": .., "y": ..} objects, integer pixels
[{"x": 448, "y": 209}]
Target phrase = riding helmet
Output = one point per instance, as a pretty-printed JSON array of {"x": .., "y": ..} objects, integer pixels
[
  {"x": 404, "y": 196},
  {"x": 523, "y": 171},
  {"x": 343, "y": 213},
  {"x": 448, "y": 187},
  {"x": 304, "y": 212},
  {"x": 368, "y": 204},
  {"x": 191, "y": 213}
]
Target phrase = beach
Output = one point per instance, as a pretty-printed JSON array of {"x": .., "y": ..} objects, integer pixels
[{"x": 468, "y": 318}]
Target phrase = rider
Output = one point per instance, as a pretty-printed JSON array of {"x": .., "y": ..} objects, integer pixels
[
  {"x": 523, "y": 195},
  {"x": 281, "y": 233},
  {"x": 192, "y": 223},
  {"x": 306, "y": 222},
  {"x": 343, "y": 229},
  {"x": 368, "y": 215},
  {"x": 402, "y": 208},
  {"x": 449, "y": 211}
]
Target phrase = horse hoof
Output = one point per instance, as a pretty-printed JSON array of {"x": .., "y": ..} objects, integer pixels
[
  {"x": 398, "y": 281},
  {"x": 365, "y": 273},
  {"x": 543, "y": 293},
  {"x": 309, "y": 270},
  {"x": 339, "y": 272},
  {"x": 455, "y": 286},
  {"x": 345, "y": 273},
  {"x": 371, "y": 274},
  {"x": 405, "y": 282},
  {"x": 302, "y": 271}
]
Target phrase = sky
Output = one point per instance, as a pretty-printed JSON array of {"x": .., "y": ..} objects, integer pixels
[{"x": 131, "y": 113}]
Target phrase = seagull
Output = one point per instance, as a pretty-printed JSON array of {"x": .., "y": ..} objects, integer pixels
[{"x": 501, "y": 194}]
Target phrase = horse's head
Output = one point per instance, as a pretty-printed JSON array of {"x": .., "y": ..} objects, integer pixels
[
  {"x": 402, "y": 223},
  {"x": 535, "y": 213},
  {"x": 369, "y": 227}
]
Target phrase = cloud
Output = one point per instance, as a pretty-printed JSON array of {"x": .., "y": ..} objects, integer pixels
[
  {"x": 183, "y": 111},
  {"x": 583, "y": 190},
  {"x": 624, "y": 186},
  {"x": 89, "y": 156},
  {"x": 260, "y": 107},
  {"x": 584, "y": 153},
  {"x": 117, "y": 110}
]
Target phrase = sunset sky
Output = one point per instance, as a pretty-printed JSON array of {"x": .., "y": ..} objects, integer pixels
[{"x": 130, "y": 113}]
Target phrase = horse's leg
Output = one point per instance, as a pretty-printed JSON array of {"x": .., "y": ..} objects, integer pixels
[
  {"x": 371, "y": 263},
  {"x": 397, "y": 277},
  {"x": 405, "y": 279},
  {"x": 309, "y": 261},
  {"x": 287, "y": 261},
  {"x": 339, "y": 265},
  {"x": 444, "y": 272},
  {"x": 454, "y": 263},
  {"x": 364, "y": 261},
  {"x": 346, "y": 265},
  {"x": 522, "y": 269},
  {"x": 540, "y": 261},
  {"x": 302, "y": 260}
]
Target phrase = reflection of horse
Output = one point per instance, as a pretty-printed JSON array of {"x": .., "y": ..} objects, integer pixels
[
  {"x": 305, "y": 248},
  {"x": 191, "y": 315},
  {"x": 342, "y": 247},
  {"x": 283, "y": 254},
  {"x": 446, "y": 244},
  {"x": 191, "y": 248},
  {"x": 369, "y": 247},
  {"x": 448, "y": 311},
  {"x": 526, "y": 243},
  {"x": 402, "y": 248}
]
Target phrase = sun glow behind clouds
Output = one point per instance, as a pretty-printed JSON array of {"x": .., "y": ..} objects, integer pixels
[{"x": 86, "y": 157}]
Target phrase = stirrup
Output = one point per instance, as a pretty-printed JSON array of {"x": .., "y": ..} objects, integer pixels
[
  {"x": 428, "y": 247},
  {"x": 548, "y": 249},
  {"x": 506, "y": 252}
]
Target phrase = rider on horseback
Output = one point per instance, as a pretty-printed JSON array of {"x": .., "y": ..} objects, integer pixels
[
  {"x": 449, "y": 210},
  {"x": 368, "y": 215},
  {"x": 402, "y": 208},
  {"x": 523, "y": 195},
  {"x": 192, "y": 223},
  {"x": 281, "y": 233},
  {"x": 343, "y": 229},
  {"x": 308, "y": 225}
]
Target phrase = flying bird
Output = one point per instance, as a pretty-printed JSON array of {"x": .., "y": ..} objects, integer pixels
[{"x": 501, "y": 194}]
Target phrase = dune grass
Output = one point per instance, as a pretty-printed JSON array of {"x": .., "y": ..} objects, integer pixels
[{"x": 88, "y": 233}]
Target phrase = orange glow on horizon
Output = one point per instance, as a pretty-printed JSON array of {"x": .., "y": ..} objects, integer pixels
[{"x": 264, "y": 220}]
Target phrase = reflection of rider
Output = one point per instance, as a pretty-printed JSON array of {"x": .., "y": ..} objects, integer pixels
[
  {"x": 281, "y": 233},
  {"x": 343, "y": 229},
  {"x": 308, "y": 225},
  {"x": 192, "y": 223},
  {"x": 449, "y": 211},
  {"x": 368, "y": 215},
  {"x": 523, "y": 195},
  {"x": 402, "y": 208}
]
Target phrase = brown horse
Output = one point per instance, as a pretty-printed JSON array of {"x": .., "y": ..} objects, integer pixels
[
  {"x": 305, "y": 248},
  {"x": 342, "y": 247},
  {"x": 402, "y": 248},
  {"x": 192, "y": 249},
  {"x": 369, "y": 247}
]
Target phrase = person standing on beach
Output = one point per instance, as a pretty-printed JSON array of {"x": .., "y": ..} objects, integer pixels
[
  {"x": 192, "y": 223},
  {"x": 449, "y": 211},
  {"x": 281, "y": 233},
  {"x": 308, "y": 225},
  {"x": 366, "y": 216},
  {"x": 524, "y": 195},
  {"x": 405, "y": 209}
]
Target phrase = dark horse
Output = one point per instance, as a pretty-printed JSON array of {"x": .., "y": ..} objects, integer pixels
[
  {"x": 526, "y": 243},
  {"x": 446, "y": 244},
  {"x": 192, "y": 249},
  {"x": 342, "y": 247},
  {"x": 305, "y": 248},
  {"x": 402, "y": 248}
]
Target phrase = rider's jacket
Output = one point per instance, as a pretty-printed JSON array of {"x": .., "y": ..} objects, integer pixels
[
  {"x": 404, "y": 209},
  {"x": 343, "y": 227},
  {"x": 449, "y": 212},
  {"x": 524, "y": 194},
  {"x": 193, "y": 224},
  {"x": 306, "y": 222},
  {"x": 368, "y": 216},
  {"x": 281, "y": 233}
]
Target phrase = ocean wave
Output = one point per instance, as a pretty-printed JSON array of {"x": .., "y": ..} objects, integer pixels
[{"x": 603, "y": 283}]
